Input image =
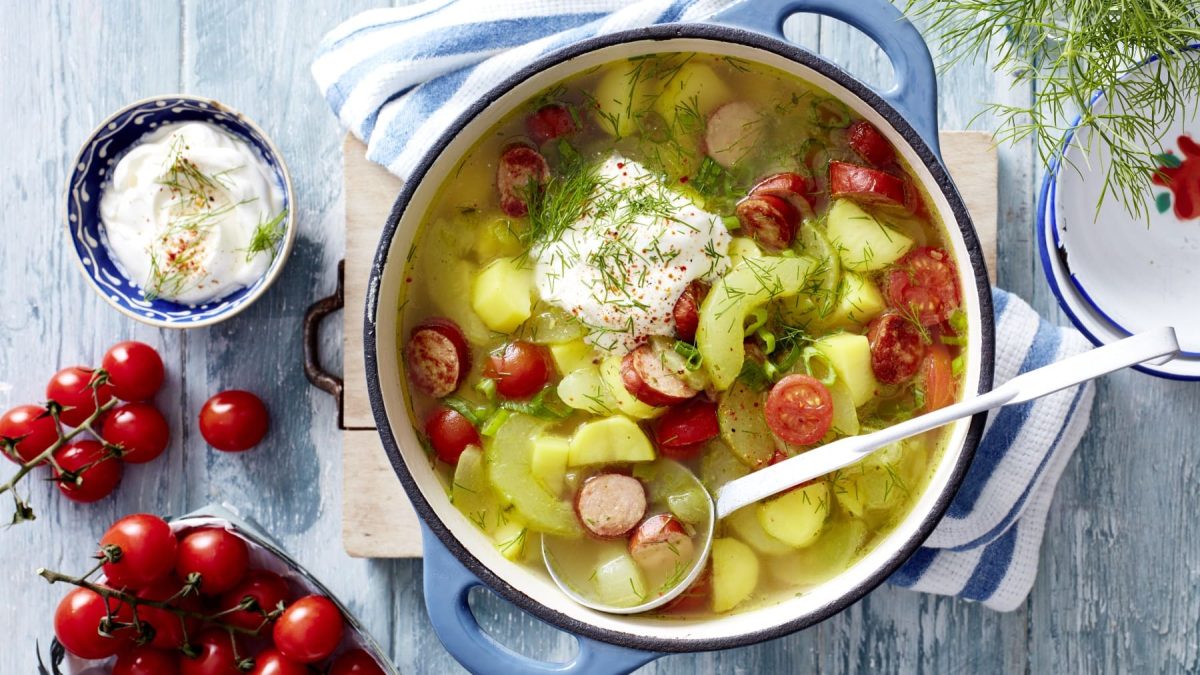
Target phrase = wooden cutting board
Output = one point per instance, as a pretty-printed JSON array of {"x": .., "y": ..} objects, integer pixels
[{"x": 377, "y": 520}]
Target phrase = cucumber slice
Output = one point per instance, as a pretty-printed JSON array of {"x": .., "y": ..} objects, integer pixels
[
  {"x": 751, "y": 284},
  {"x": 880, "y": 482},
  {"x": 734, "y": 573},
  {"x": 821, "y": 302},
  {"x": 743, "y": 426},
  {"x": 508, "y": 458},
  {"x": 619, "y": 582},
  {"x": 472, "y": 494},
  {"x": 864, "y": 243},
  {"x": 831, "y": 554},
  {"x": 584, "y": 389},
  {"x": 449, "y": 281}
]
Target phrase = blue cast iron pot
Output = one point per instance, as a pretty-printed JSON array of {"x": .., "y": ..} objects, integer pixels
[{"x": 459, "y": 557}]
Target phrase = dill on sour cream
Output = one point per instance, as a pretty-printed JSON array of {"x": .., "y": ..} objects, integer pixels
[{"x": 192, "y": 214}]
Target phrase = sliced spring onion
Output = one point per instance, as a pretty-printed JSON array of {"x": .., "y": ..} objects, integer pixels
[
  {"x": 829, "y": 113},
  {"x": 957, "y": 366},
  {"x": 475, "y": 414},
  {"x": 487, "y": 388},
  {"x": 731, "y": 222},
  {"x": 692, "y": 356},
  {"x": 958, "y": 321},
  {"x": 958, "y": 340},
  {"x": 817, "y": 365},
  {"x": 493, "y": 423},
  {"x": 760, "y": 319},
  {"x": 768, "y": 339}
]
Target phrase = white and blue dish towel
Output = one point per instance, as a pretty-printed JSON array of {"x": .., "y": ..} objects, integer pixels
[{"x": 397, "y": 78}]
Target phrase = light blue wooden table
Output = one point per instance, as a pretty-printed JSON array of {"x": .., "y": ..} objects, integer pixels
[{"x": 1119, "y": 571}]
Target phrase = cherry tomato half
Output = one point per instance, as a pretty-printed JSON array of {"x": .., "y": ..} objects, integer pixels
[
  {"x": 31, "y": 427},
  {"x": 266, "y": 588},
  {"x": 682, "y": 430},
  {"x": 450, "y": 433},
  {"x": 799, "y": 409},
  {"x": 234, "y": 420},
  {"x": 272, "y": 662},
  {"x": 309, "y": 630},
  {"x": 520, "y": 369},
  {"x": 217, "y": 654},
  {"x": 147, "y": 551},
  {"x": 937, "y": 374},
  {"x": 217, "y": 555},
  {"x": 77, "y": 626},
  {"x": 924, "y": 283},
  {"x": 140, "y": 430},
  {"x": 146, "y": 661},
  {"x": 135, "y": 370},
  {"x": 96, "y": 472},
  {"x": 72, "y": 389},
  {"x": 356, "y": 662}
]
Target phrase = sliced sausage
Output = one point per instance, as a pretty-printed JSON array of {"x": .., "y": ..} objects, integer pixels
[
  {"x": 660, "y": 543},
  {"x": 550, "y": 122},
  {"x": 521, "y": 170},
  {"x": 865, "y": 185},
  {"x": 648, "y": 377},
  {"x": 438, "y": 357},
  {"x": 609, "y": 505},
  {"x": 687, "y": 310},
  {"x": 868, "y": 143},
  {"x": 897, "y": 348},
  {"x": 770, "y": 220},
  {"x": 792, "y": 188},
  {"x": 683, "y": 429},
  {"x": 733, "y": 130}
]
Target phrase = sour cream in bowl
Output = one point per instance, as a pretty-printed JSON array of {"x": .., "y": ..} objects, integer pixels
[{"x": 179, "y": 211}]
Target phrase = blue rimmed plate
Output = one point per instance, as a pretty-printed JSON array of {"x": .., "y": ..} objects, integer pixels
[
  {"x": 1115, "y": 274},
  {"x": 90, "y": 172}
]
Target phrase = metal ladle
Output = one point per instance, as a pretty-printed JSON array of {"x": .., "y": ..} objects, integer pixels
[{"x": 1158, "y": 344}]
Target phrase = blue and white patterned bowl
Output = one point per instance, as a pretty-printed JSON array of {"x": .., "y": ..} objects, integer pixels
[{"x": 90, "y": 173}]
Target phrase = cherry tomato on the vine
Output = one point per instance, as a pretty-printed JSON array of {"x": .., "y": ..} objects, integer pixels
[
  {"x": 139, "y": 428},
  {"x": 77, "y": 626},
  {"x": 234, "y": 420},
  {"x": 94, "y": 472},
  {"x": 146, "y": 661},
  {"x": 217, "y": 555},
  {"x": 309, "y": 629},
  {"x": 32, "y": 428},
  {"x": 356, "y": 662},
  {"x": 169, "y": 628},
  {"x": 217, "y": 654},
  {"x": 72, "y": 389},
  {"x": 147, "y": 550},
  {"x": 268, "y": 590},
  {"x": 272, "y": 662},
  {"x": 135, "y": 370}
]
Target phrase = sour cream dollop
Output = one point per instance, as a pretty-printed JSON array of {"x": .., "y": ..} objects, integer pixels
[
  {"x": 620, "y": 268},
  {"x": 192, "y": 213}
]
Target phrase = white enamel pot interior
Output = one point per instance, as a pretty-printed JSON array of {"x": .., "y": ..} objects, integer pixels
[{"x": 532, "y": 589}]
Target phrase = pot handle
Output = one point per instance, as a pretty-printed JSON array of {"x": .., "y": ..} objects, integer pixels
[
  {"x": 313, "y": 316},
  {"x": 915, "y": 91},
  {"x": 447, "y": 585}
]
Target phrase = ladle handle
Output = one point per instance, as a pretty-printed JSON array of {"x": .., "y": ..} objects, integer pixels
[{"x": 1034, "y": 384}]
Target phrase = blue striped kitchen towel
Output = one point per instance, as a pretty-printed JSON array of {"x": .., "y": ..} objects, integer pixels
[{"x": 397, "y": 78}]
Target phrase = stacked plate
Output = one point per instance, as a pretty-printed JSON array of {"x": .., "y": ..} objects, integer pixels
[{"x": 1116, "y": 274}]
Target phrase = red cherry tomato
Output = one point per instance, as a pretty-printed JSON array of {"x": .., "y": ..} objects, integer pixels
[
  {"x": 799, "y": 409},
  {"x": 309, "y": 630},
  {"x": 135, "y": 370},
  {"x": 266, "y": 588},
  {"x": 450, "y": 433},
  {"x": 924, "y": 284},
  {"x": 147, "y": 551},
  {"x": 140, "y": 430},
  {"x": 169, "y": 629},
  {"x": 550, "y": 122},
  {"x": 32, "y": 429},
  {"x": 71, "y": 388},
  {"x": 77, "y": 626},
  {"x": 682, "y": 430},
  {"x": 234, "y": 420},
  {"x": 937, "y": 374},
  {"x": 356, "y": 662},
  {"x": 272, "y": 662},
  {"x": 146, "y": 661},
  {"x": 217, "y": 555},
  {"x": 96, "y": 473},
  {"x": 520, "y": 369},
  {"x": 217, "y": 655}
]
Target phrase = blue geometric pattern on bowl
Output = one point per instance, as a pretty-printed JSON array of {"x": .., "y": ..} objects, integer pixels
[{"x": 91, "y": 172}]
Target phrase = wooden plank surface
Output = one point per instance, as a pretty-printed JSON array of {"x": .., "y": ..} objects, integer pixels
[
  {"x": 367, "y": 531},
  {"x": 1117, "y": 571}
]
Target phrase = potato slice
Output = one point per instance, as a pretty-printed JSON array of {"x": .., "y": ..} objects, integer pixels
[{"x": 734, "y": 573}]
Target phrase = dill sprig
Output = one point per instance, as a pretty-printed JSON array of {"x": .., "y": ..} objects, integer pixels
[
  {"x": 266, "y": 236},
  {"x": 1070, "y": 49}
]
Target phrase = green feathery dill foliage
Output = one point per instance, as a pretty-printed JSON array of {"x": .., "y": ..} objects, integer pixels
[{"x": 1068, "y": 50}]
